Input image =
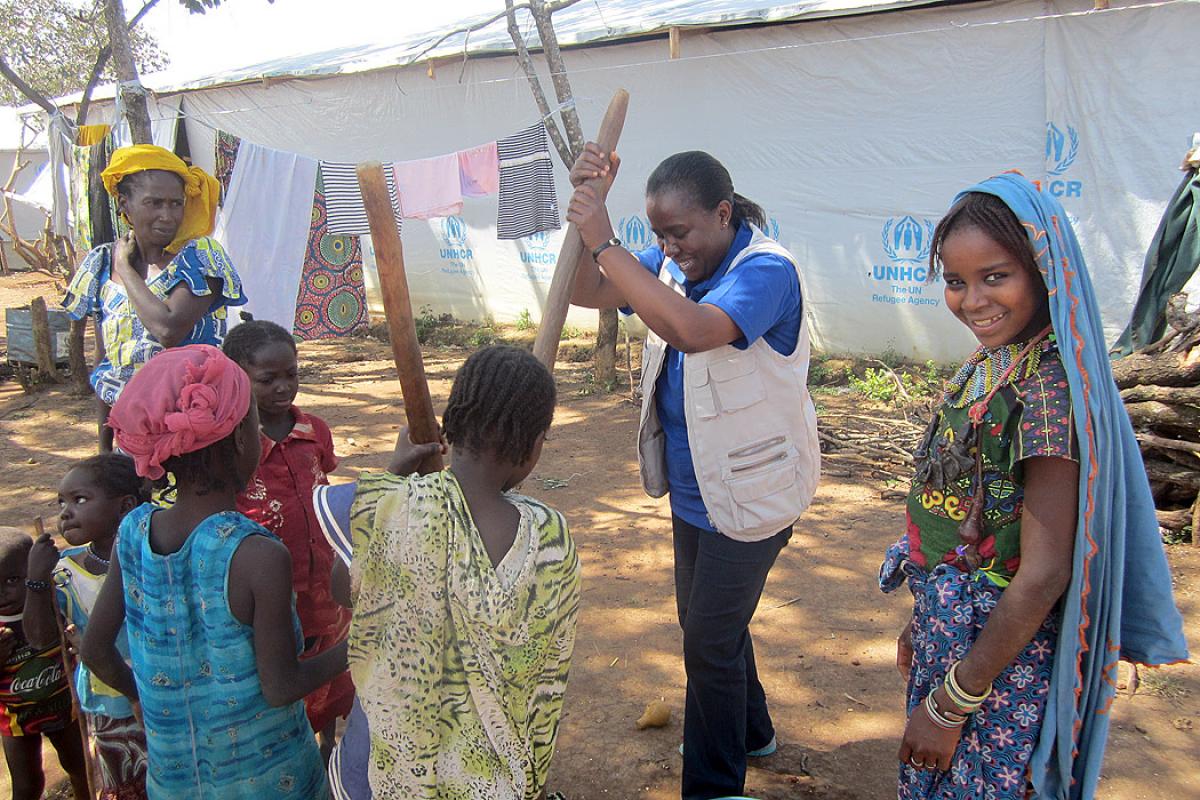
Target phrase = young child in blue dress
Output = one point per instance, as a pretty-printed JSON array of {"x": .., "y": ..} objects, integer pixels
[{"x": 206, "y": 597}]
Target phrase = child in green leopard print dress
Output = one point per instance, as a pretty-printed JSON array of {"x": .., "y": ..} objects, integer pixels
[{"x": 465, "y": 598}]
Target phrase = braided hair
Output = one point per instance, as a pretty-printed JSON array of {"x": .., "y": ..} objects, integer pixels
[
  {"x": 208, "y": 469},
  {"x": 116, "y": 475},
  {"x": 994, "y": 219},
  {"x": 705, "y": 181},
  {"x": 244, "y": 341},
  {"x": 502, "y": 400}
]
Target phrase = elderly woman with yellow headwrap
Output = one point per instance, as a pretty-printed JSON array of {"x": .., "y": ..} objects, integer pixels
[{"x": 166, "y": 283}]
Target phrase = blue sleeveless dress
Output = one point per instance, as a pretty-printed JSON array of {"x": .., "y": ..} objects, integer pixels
[{"x": 209, "y": 730}]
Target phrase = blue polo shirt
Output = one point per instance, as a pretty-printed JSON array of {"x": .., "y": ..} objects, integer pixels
[{"x": 762, "y": 297}]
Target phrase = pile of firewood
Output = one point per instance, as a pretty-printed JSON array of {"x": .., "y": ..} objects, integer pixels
[
  {"x": 1160, "y": 385},
  {"x": 857, "y": 445}
]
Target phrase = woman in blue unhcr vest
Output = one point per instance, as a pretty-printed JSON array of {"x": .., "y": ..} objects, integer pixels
[{"x": 727, "y": 425}]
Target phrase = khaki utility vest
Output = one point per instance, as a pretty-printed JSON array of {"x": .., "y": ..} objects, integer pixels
[{"x": 751, "y": 425}]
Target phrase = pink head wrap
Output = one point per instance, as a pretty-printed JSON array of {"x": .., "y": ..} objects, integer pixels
[{"x": 180, "y": 401}]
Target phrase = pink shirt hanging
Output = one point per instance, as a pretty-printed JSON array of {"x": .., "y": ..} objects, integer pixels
[
  {"x": 429, "y": 187},
  {"x": 479, "y": 170}
]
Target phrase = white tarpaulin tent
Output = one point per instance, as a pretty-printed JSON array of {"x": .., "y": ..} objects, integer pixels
[{"x": 854, "y": 132}]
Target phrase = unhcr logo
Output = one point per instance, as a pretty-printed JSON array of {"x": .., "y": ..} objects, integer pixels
[
  {"x": 907, "y": 240},
  {"x": 1061, "y": 148},
  {"x": 635, "y": 233},
  {"x": 535, "y": 249},
  {"x": 454, "y": 239}
]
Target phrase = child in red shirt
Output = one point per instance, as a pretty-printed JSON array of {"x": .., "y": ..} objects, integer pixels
[{"x": 297, "y": 452}]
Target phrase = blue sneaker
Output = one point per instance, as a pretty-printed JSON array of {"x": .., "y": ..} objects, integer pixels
[
  {"x": 767, "y": 749},
  {"x": 764, "y": 751}
]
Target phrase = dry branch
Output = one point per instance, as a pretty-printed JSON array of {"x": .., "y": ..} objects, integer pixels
[
  {"x": 1163, "y": 370},
  {"x": 1179, "y": 395}
]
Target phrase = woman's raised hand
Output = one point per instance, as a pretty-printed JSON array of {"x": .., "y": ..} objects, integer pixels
[
  {"x": 594, "y": 163},
  {"x": 125, "y": 254},
  {"x": 590, "y": 216}
]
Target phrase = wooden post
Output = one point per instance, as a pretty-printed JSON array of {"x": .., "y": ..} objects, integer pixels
[
  {"x": 673, "y": 42},
  {"x": 545, "y": 346},
  {"x": 70, "y": 663},
  {"x": 42, "y": 346},
  {"x": 397, "y": 307},
  {"x": 1196, "y": 521}
]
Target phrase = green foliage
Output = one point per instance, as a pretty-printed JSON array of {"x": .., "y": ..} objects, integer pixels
[
  {"x": 524, "y": 320},
  {"x": 200, "y": 6},
  {"x": 885, "y": 384},
  {"x": 820, "y": 373},
  {"x": 426, "y": 323},
  {"x": 53, "y": 46},
  {"x": 482, "y": 337},
  {"x": 1182, "y": 536},
  {"x": 876, "y": 384},
  {"x": 570, "y": 332}
]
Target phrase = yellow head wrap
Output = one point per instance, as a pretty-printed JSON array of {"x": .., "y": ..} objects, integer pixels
[{"x": 201, "y": 190}]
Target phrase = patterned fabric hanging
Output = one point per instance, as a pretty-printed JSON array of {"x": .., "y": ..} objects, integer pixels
[
  {"x": 332, "y": 300},
  {"x": 227, "y": 149}
]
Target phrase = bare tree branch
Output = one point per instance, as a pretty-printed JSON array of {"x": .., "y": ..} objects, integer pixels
[
  {"x": 558, "y": 76},
  {"x": 539, "y": 96},
  {"x": 101, "y": 62},
  {"x": 141, "y": 13},
  {"x": 24, "y": 88},
  {"x": 478, "y": 26},
  {"x": 93, "y": 81},
  {"x": 469, "y": 29}
]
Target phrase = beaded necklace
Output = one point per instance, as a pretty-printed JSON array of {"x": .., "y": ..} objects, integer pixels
[{"x": 990, "y": 368}]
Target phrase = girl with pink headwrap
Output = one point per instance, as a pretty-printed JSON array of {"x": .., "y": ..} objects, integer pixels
[{"x": 206, "y": 597}]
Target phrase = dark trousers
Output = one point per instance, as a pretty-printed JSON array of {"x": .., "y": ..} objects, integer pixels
[{"x": 718, "y": 582}]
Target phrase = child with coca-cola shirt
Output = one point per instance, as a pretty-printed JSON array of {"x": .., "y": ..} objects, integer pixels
[{"x": 34, "y": 698}]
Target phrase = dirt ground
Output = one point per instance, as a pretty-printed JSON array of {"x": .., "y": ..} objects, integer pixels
[{"x": 824, "y": 634}]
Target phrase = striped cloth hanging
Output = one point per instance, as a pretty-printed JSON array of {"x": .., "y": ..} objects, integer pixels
[
  {"x": 343, "y": 199},
  {"x": 528, "y": 202}
]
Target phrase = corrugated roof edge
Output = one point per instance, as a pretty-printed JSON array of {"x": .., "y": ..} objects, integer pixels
[{"x": 494, "y": 41}]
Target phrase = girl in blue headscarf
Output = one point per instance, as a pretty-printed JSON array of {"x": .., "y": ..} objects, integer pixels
[{"x": 1032, "y": 549}]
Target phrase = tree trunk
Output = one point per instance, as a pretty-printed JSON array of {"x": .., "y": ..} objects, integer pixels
[
  {"x": 604, "y": 365},
  {"x": 43, "y": 348},
  {"x": 558, "y": 76},
  {"x": 77, "y": 360},
  {"x": 133, "y": 95},
  {"x": 604, "y": 359}
]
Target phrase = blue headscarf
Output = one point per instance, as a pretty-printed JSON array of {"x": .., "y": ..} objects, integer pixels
[{"x": 1119, "y": 605}]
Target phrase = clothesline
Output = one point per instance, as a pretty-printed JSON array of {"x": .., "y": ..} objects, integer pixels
[{"x": 184, "y": 114}]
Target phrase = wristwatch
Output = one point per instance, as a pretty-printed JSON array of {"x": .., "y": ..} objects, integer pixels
[{"x": 613, "y": 242}]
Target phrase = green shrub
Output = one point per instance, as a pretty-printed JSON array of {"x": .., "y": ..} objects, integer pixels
[
  {"x": 883, "y": 385},
  {"x": 426, "y": 323},
  {"x": 482, "y": 337},
  {"x": 524, "y": 320}
]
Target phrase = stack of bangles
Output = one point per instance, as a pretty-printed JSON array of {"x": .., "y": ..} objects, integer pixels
[{"x": 964, "y": 703}]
